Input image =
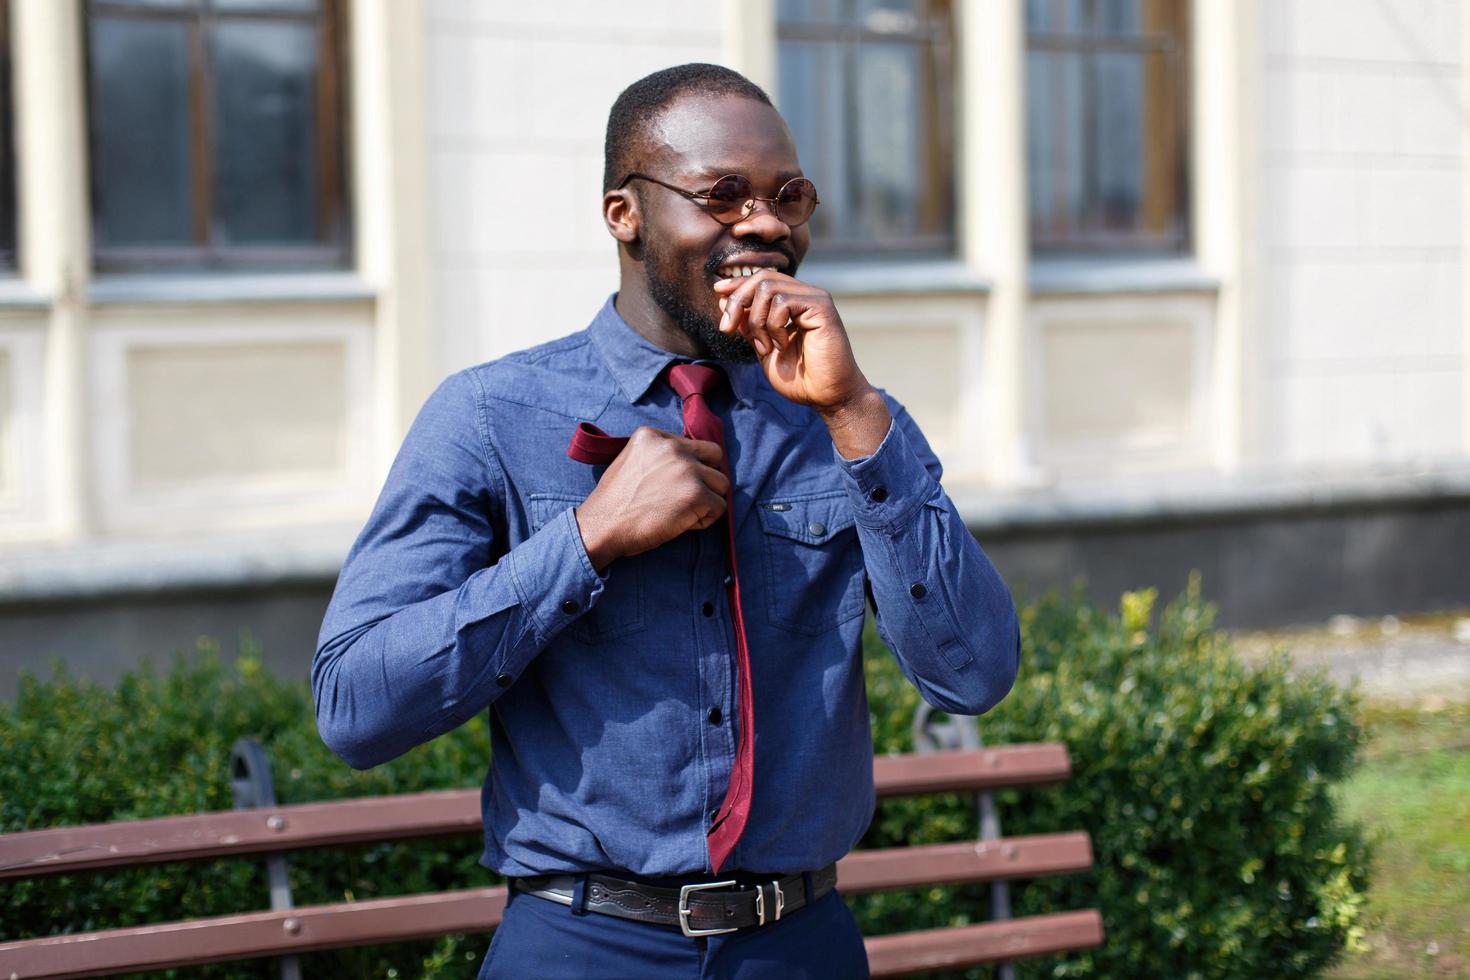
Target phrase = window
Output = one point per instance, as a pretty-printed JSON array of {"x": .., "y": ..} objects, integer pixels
[
  {"x": 867, "y": 88},
  {"x": 216, "y": 133},
  {"x": 1105, "y": 124}
]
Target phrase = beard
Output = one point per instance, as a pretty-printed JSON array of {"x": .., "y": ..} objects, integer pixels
[
  {"x": 664, "y": 285},
  {"x": 700, "y": 321}
]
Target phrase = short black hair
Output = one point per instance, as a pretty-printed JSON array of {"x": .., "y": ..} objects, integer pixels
[{"x": 640, "y": 103}]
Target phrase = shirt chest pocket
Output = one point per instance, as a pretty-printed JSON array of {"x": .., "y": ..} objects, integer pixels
[
  {"x": 813, "y": 561},
  {"x": 619, "y": 610}
]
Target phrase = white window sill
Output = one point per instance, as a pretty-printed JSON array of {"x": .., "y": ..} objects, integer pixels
[
  {"x": 17, "y": 294},
  {"x": 162, "y": 288},
  {"x": 895, "y": 278},
  {"x": 1206, "y": 495},
  {"x": 101, "y": 567},
  {"x": 1134, "y": 274}
]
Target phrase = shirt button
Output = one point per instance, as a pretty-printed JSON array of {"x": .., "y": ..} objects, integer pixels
[
  {"x": 918, "y": 591},
  {"x": 708, "y": 608},
  {"x": 715, "y": 716},
  {"x": 570, "y": 607},
  {"x": 817, "y": 529},
  {"x": 729, "y": 581},
  {"x": 503, "y": 680},
  {"x": 878, "y": 495}
]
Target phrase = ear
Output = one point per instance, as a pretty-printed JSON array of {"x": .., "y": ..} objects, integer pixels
[{"x": 621, "y": 215}]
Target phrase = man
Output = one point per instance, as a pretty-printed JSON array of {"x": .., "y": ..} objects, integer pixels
[{"x": 667, "y": 714}]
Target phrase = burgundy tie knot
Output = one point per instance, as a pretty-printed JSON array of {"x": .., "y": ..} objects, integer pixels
[{"x": 695, "y": 379}]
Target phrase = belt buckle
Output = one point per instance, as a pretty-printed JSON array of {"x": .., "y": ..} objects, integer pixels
[
  {"x": 685, "y": 911},
  {"x": 760, "y": 902}
]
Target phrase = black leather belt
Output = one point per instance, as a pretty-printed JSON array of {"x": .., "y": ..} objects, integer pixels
[{"x": 701, "y": 909}]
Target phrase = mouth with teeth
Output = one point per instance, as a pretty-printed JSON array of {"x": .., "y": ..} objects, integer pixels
[
  {"x": 748, "y": 263},
  {"x": 738, "y": 271}
]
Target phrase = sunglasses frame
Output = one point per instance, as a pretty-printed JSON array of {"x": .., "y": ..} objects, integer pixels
[{"x": 745, "y": 209}]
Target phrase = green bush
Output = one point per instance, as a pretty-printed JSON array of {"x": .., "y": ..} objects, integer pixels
[
  {"x": 72, "y": 752},
  {"x": 1204, "y": 783}
]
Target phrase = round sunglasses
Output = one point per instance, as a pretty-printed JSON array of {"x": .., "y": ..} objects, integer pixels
[{"x": 732, "y": 198}]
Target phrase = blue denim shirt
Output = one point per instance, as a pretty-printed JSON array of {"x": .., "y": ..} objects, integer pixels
[{"x": 470, "y": 588}]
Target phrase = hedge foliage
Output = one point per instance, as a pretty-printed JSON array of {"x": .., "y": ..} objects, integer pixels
[{"x": 1205, "y": 784}]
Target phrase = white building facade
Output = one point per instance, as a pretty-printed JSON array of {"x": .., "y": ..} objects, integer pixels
[{"x": 1124, "y": 260}]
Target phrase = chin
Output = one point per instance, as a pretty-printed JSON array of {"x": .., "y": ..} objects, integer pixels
[{"x": 722, "y": 347}]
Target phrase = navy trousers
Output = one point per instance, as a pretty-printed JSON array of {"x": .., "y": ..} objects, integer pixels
[{"x": 541, "y": 939}]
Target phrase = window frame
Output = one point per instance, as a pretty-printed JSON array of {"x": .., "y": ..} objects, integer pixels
[
  {"x": 1089, "y": 237},
  {"x": 334, "y": 249},
  {"x": 938, "y": 179}
]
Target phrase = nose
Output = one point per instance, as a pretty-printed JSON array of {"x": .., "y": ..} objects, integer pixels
[{"x": 760, "y": 221}]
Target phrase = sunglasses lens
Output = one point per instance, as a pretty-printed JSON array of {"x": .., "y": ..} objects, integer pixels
[
  {"x": 728, "y": 196},
  {"x": 797, "y": 201}
]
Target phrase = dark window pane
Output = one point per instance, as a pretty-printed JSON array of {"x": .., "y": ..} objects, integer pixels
[
  {"x": 149, "y": 4},
  {"x": 805, "y": 11},
  {"x": 888, "y": 16},
  {"x": 141, "y": 131},
  {"x": 1057, "y": 16},
  {"x": 889, "y": 145},
  {"x": 264, "y": 133},
  {"x": 1118, "y": 17},
  {"x": 1119, "y": 140},
  {"x": 265, "y": 6},
  {"x": 1055, "y": 140},
  {"x": 811, "y": 101}
]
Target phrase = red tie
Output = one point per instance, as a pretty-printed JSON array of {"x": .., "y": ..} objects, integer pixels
[{"x": 591, "y": 445}]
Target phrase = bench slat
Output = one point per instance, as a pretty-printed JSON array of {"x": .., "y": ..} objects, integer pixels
[
  {"x": 282, "y": 828},
  {"x": 971, "y": 769},
  {"x": 947, "y": 864},
  {"x": 205, "y": 835},
  {"x": 255, "y": 934},
  {"x": 990, "y": 942}
]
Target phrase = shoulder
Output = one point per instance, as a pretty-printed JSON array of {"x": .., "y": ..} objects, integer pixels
[{"x": 563, "y": 376}]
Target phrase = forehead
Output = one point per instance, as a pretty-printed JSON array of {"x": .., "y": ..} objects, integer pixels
[{"x": 710, "y": 136}]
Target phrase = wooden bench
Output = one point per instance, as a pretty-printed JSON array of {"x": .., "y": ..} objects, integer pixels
[{"x": 271, "y": 830}]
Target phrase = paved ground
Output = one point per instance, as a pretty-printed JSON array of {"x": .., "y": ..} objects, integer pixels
[{"x": 1423, "y": 659}]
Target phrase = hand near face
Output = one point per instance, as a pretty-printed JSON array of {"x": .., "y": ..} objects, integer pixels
[
  {"x": 797, "y": 334},
  {"x": 803, "y": 347}
]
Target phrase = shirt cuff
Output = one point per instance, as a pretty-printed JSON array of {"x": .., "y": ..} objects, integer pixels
[
  {"x": 553, "y": 575},
  {"x": 887, "y": 486}
]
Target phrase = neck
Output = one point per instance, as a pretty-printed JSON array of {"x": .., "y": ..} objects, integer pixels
[{"x": 640, "y": 312}]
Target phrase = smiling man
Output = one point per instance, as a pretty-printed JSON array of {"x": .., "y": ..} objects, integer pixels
[{"x": 647, "y": 549}]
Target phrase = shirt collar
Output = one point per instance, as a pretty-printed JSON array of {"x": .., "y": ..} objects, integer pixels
[{"x": 635, "y": 363}]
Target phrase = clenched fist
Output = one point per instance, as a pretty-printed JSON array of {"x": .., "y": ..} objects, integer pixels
[{"x": 660, "y": 486}]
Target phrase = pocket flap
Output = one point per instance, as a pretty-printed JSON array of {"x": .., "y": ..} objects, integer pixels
[
  {"x": 812, "y": 518},
  {"x": 544, "y": 506}
]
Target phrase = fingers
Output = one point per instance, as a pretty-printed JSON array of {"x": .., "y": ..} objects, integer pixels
[
  {"x": 715, "y": 480},
  {"x": 707, "y": 466},
  {"x": 757, "y": 318},
  {"x": 740, "y": 314},
  {"x": 764, "y": 308},
  {"x": 710, "y": 508},
  {"x": 708, "y": 453}
]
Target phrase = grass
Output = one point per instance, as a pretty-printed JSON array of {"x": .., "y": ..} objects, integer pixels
[{"x": 1412, "y": 794}]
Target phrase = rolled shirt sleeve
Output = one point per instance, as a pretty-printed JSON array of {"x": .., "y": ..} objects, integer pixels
[{"x": 941, "y": 606}]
